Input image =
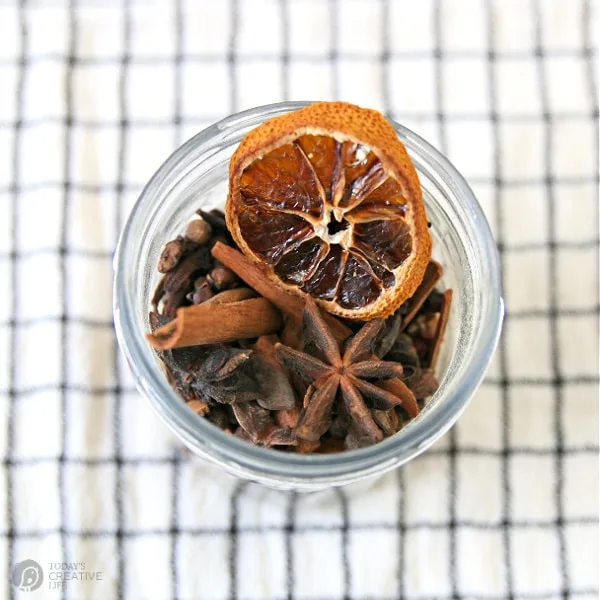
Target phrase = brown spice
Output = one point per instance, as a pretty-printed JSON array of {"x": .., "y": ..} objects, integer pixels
[
  {"x": 215, "y": 218},
  {"x": 272, "y": 376},
  {"x": 329, "y": 445},
  {"x": 343, "y": 407},
  {"x": 202, "y": 291},
  {"x": 291, "y": 305},
  {"x": 288, "y": 417},
  {"x": 178, "y": 278},
  {"x": 222, "y": 374},
  {"x": 428, "y": 325},
  {"x": 235, "y": 295},
  {"x": 404, "y": 351},
  {"x": 199, "y": 407},
  {"x": 258, "y": 423},
  {"x": 433, "y": 273},
  {"x": 422, "y": 383},
  {"x": 387, "y": 420},
  {"x": 441, "y": 329},
  {"x": 216, "y": 323},
  {"x": 307, "y": 447},
  {"x": 198, "y": 231},
  {"x": 170, "y": 255},
  {"x": 347, "y": 373},
  {"x": 218, "y": 417},
  {"x": 221, "y": 278},
  {"x": 401, "y": 390},
  {"x": 172, "y": 290},
  {"x": 291, "y": 334}
]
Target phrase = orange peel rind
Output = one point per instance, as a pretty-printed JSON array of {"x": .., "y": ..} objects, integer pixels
[{"x": 328, "y": 200}]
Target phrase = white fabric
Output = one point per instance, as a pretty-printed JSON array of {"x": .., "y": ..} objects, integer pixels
[{"x": 506, "y": 505}]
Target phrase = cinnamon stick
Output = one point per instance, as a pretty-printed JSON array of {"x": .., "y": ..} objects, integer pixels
[
  {"x": 215, "y": 323},
  {"x": 234, "y": 295},
  {"x": 255, "y": 277},
  {"x": 441, "y": 328},
  {"x": 433, "y": 273}
]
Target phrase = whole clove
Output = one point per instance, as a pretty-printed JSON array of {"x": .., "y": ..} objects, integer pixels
[
  {"x": 221, "y": 278},
  {"x": 171, "y": 254},
  {"x": 202, "y": 291},
  {"x": 215, "y": 218},
  {"x": 198, "y": 231}
]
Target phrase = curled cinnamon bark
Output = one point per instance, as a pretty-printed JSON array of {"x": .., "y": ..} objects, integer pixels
[{"x": 203, "y": 324}]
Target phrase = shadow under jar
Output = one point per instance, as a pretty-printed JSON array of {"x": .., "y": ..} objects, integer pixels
[{"x": 196, "y": 176}]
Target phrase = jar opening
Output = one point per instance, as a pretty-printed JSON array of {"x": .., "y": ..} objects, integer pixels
[{"x": 196, "y": 175}]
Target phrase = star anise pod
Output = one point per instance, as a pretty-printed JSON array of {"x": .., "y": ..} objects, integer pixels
[{"x": 346, "y": 373}]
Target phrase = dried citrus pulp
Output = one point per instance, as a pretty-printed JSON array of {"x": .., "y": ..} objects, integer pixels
[{"x": 327, "y": 198}]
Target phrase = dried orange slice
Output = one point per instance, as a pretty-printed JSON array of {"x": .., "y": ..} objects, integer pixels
[{"x": 327, "y": 198}]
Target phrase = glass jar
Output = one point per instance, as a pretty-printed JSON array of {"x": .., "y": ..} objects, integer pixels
[{"x": 194, "y": 176}]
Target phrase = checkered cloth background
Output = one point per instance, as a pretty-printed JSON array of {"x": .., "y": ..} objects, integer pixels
[{"x": 93, "y": 97}]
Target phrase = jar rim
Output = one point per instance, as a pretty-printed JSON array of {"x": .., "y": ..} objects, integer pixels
[{"x": 256, "y": 462}]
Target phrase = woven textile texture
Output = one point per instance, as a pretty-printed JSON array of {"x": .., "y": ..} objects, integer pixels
[{"x": 93, "y": 97}]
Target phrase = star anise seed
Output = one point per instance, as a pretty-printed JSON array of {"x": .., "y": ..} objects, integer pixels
[{"x": 340, "y": 376}]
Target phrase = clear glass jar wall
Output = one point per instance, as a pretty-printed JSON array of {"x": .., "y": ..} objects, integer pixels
[{"x": 195, "y": 176}]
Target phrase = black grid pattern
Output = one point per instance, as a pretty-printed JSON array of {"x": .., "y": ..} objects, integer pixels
[{"x": 505, "y": 506}]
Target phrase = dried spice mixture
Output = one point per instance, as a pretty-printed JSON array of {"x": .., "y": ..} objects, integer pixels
[{"x": 306, "y": 316}]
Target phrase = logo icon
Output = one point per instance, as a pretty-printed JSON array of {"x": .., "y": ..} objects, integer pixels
[{"x": 27, "y": 575}]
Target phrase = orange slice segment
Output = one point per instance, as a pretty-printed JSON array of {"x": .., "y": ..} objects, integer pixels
[{"x": 327, "y": 198}]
